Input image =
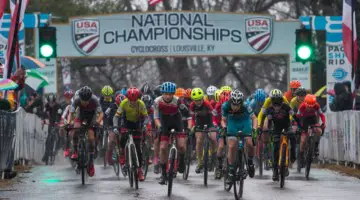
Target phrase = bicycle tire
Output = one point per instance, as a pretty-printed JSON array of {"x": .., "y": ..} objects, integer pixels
[
  {"x": 104, "y": 148},
  {"x": 134, "y": 166},
  {"x": 225, "y": 169},
  {"x": 145, "y": 161},
  {"x": 116, "y": 166},
  {"x": 298, "y": 160},
  {"x": 188, "y": 158},
  {"x": 82, "y": 162},
  {"x": 239, "y": 178},
  {"x": 129, "y": 170},
  {"x": 309, "y": 148},
  {"x": 206, "y": 159},
  {"x": 261, "y": 153},
  {"x": 282, "y": 166},
  {"x": 171, "y": 172}
]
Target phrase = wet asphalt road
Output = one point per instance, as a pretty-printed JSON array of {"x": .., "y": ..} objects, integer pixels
[{"x": 61, "y": 182}]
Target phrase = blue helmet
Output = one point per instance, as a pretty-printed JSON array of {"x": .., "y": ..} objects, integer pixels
[
  {"x": 168, "y": 87},
  {"x": 259, "y": 95},
  {"x": 123, "y": 91}
]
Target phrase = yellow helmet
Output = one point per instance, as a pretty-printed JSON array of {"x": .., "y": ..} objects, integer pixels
[
  {"x": 197, "y": 94},
  {"x": 107, "y": 90},
  {"x": 226, "y": 88},
  {"x": 217, "y": 95}
]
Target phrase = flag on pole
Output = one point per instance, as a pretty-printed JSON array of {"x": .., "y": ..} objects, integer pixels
[
  {"x": 2, "y": 10},
  {"x": 350, "y": 37},
  {"x": 153, "y": 2}
]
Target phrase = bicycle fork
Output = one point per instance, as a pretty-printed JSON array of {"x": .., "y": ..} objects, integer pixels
[
  {"x": 173, "y": 148},
  {"x": 284, "y": 144}
]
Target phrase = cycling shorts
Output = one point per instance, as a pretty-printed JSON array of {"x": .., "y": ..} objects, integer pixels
[
  {"x": 235, "y": 125},
  {"x": 308, "y": 121},
  {"x": 169, "y": 122}
]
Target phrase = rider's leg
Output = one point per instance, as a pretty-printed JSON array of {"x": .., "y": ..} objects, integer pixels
[
  {"x": 111, "y": 144},
  {"x": 276, "y": 156},
  {"x": 77, "y": 124},
  {"x": 199, "y": 150},
  {"x": 246, "y": 131}
]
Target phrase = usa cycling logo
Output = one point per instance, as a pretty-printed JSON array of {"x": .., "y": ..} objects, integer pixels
[
  {"x": 259, "y": 31},
  {"x": 86, "y": 35},
  {"x": 339, "y": 74}
]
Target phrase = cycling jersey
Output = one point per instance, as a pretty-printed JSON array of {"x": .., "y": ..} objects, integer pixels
[
  {"x": 237, "y": 120},
  {"x": 133, "y": 112},
  {"x": 87, "y": 111},
  {"x": 202, "y": 115},
  {"x": 288, "y": 95},
  {"x": 217, "y": 118},
  {"x": 109, "y": 108},
  {"x": 212, "y": 103},
  {"x": 265, "y": 106},
  {"x": 281, "y": 117},
  {"x": 105, "y": 104},
  {"x": 52, "y": 112},
  {"x": 305, "y": 112},
  {"x": 256, "y": 106},
  {"x": 294, "y": 104}
]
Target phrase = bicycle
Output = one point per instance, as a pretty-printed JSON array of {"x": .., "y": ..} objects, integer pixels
[
  {"x": 188, "y": 154},
  {"x": 132, "y": 162},
  {"x": 284, "y": 157},
  {"x": 172, "y": 165},
  {"x": 147, "y": 152},
  {"x": 309, "y": 149},
  {"x": 52, "y": 144},
  {"x": 207, "y": 141}
]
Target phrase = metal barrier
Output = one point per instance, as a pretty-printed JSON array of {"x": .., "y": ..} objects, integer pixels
[
  {"x": 22, "y": 136},
  {"x": 341, "y": 139}
]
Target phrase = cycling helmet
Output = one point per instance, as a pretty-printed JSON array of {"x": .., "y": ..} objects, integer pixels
[
  {"x": 180, "y": 92},
  {"x": 124, "y": 91},
  {"x": 224, "y": 96},
  {"x": 310, "y": 100},
  {"x": 107, "y": 90},
  {"x": 51, "y": 97},
  {"x": 210, "y": 91},
  {"x": 259, "y": 95},
  {"x": 217, "y": 95},
  {"x": 236, "y": 97},
  {"x": 226, "y": 88},
  {"x": 276, "y": 96},
  {"x": 68, "y": 94},
  {"x": 147, "y": 100},
  {"x": 197, "y": 94},
  {"x": 133, "y": 94},
  {"x": 146, "y": 89},
  {"x": 157, "y": 90},
  {"x": 119, "y": 98},
  {"x": 168, "y": 87},
  {"x": 294, "y": 84},
  {"x": 85, "y": 93},
  {"x": 300, "y": 92},
  {"x": 188, "y": 93}
]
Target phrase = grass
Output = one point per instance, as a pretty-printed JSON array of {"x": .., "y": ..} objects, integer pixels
[{"x": 350, "y": 171}]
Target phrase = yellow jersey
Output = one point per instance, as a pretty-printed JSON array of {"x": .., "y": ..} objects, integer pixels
[
  {"x": 294, "y": 104},
  {"x": 265, "y": 106},
  {"x": 133, "y": 112}
]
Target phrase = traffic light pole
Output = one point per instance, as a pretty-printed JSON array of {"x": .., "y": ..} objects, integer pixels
[{"x": 36, "y": 37}]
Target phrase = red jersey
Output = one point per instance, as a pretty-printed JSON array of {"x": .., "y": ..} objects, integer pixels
[
  {"x": 306, "y": 111},
  {"x": 202, "y": 114},
  {"x": 217, "y": 118},
  {"x": 288, "y": 95}
]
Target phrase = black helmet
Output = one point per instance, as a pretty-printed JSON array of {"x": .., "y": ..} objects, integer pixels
[
  {"x": 51, "y": 97},
  {"x": 85, "y": 93},
  {"x": 146, "y": 89},
  {"x": 147, "y": 100},
  {"x": 157, "y": 91},
  {"x": 300, "y": 92}
]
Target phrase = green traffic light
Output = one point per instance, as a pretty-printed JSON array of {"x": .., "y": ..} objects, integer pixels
[
  {"x": 46, "y": 50},
  {"x": 304, "y": 52}
]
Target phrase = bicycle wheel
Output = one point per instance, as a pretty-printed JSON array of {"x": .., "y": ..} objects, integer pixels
[
  {"x": 82, "y": 161},
  {"x": 298, "y": 160},
  {"x": 171, "y": 171},
  {"x": 206, "y": 159},
  {"x": 134, "y": 166},
  {"x": 116, "y": 164},
  {"x": 261, "y": 153},
  {"x": 308, "y": 157},
  {"x": 283, "y": 166},
  {"x": 239, "y": 179},
  {"x": 129, "y": 169},
  {"x": 104, "y": 148},
  {"x": 225, "y": 170},
  {"x": 145, "y": 155},
  {"x": 188, "y": 158}
]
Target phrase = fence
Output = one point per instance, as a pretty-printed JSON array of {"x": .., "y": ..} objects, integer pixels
[
  {"x": 22, "y": 136},
  {"x": 341, "y": 140}
]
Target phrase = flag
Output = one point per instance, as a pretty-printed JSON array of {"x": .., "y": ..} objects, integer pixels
[
  {"x": 350, "y": 37},
  {"x": 153, "y": 2},
  {"x": 2, "y": 10}
]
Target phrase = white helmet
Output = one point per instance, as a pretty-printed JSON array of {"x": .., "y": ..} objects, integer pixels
[
  {"x": 236, "y": 97},
  {"x": 210, "y": 91}
]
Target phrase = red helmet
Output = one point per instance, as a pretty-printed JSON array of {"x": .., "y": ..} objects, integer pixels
[
  {"x": 224, "y": 96},
  {"x": 310, "y": 100},
  {"x": 295, "y": 84},
  {"x": 68, "y": 94},
  {"x": 133, "y": 94},
  {"x": 119, "y": 98},
  {"x": 188, "y": 93}
]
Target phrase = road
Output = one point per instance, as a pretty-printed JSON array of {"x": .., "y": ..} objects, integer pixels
[{"x": 61, "y": 182}]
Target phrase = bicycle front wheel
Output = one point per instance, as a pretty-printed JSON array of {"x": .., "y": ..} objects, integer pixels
[
  {"x": 145, "y": 161},
  {"x": 239, "y": 177},
  {"x": 283, "y": 166},
  {"x": 171, "y": 172},
  {"x": 134, "y": 166},
  {"x": 206, "y": 160},
  {"x": 188, "y": 158},
  {"x": 260, "y": 153},
  {"x": 309, "y": 148}
]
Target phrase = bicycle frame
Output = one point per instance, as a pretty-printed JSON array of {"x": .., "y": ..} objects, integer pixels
[
  {"x": 284, "y": 141},
  {"x": 173, "y": 144},
  {"x": 129, "y": 143}
]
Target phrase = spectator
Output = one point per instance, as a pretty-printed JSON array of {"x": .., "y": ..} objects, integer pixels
[{"x": 343, "y": 98}]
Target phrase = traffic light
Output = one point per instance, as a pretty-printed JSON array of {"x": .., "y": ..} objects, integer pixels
[
  {"x": 47, "y": 42},
  {"x": 304, "y": 49}
]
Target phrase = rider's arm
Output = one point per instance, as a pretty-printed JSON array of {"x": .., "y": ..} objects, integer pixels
[
  {"x": 73, "y": 106},
  {"x": 118, "y": 114},
  {"x": 261, "y": 116},
  {"x": 157, "y": 113},
  {"x": 321, "y": 115},
  {"x": 225, "y": 114}
]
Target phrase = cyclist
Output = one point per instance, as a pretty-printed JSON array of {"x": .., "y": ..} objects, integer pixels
[
  {"x": 167, "y": 116},
  {"x": 280, "y": 114},
  {"x": 237, "y": 116},
  {"x": 88, "y": 106},
  {"x": 295, "y": 103},
  {"x": 157, "y": 91},
  {"x": 294, "y": 84},
  {"x": 202, "y": 113},
  {"x": 308, "y": 113},
  {"x": 53, "y": 113},
  {"x": 146, "y": 89},
  {"x": 187, "y": 97},
  {"x": 68, "y": 94},
  {"x": 210, "y": 92},
  {"x": 134, "y": 114},
  {"x": 224, "y": 97},
  {"x": 258, "y": 100}
]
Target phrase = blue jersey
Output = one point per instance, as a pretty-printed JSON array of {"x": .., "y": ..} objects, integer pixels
[
  {"x": 256, "y": 106},
  {"x": 244, "y": 113}
]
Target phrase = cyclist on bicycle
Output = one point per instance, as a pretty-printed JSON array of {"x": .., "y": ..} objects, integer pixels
[
  {"x": 294, "y": 84},
  {"x": 68, "y": 94},
  {"x": 167, "y": 116},
  {"x": 308, "y": 114},
  {"x": 237, "y": 116},
  {"x": 224, "y": 97},
  {"x": 280, "y": 114},
  {"x": 134, "y": 115},
  {"x": 210, "y": 92},
  {"x": 88, "y": 106},
  {"x": 202, "y": 114}
]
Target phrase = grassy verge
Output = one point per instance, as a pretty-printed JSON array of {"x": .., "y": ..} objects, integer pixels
[{"x": 350, "y": 171}]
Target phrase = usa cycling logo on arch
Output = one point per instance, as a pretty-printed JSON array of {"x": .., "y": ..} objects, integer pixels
[
  {"x": 259, "y": 32},
  {"x": 339, "y": 74},
  {"x": 86, "y": 35}
]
